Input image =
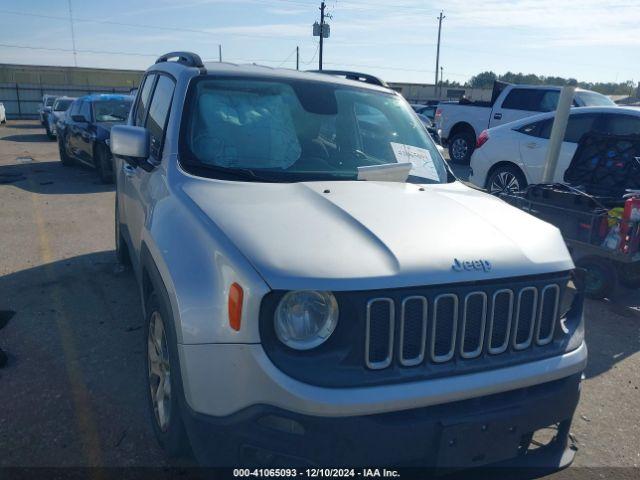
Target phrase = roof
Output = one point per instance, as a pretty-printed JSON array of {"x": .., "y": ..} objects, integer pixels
[
  {"x": 253, "y": 70},
  {"x": 94, "y": 97}
]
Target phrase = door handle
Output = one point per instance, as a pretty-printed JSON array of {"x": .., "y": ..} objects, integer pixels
[
  {"x": 128, "y": 170},
  {"x": 497, "y": 116},
  {"x": 531, "y": 145}
]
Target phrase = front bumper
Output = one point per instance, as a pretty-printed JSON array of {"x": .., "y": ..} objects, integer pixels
[
  {"x": 489, "y": 430},
  {"x": 247, "y": 377}
]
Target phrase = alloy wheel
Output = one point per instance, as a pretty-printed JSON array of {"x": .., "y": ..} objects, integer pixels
[
  {"x": 159, "y": 371},
  {"x": 459, "y": 149},
  {"x": 504, "y": 182}
]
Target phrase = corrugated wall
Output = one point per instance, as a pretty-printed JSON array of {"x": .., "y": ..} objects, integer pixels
[{"x": 22, "y": 86}]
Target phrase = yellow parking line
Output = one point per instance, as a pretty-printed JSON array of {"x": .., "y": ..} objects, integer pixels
[{"x": 86, "y": 426}]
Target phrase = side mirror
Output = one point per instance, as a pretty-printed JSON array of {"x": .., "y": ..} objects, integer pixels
[
  {"x": 131, "y": 143},
  {"x": 79, "y": 119}
]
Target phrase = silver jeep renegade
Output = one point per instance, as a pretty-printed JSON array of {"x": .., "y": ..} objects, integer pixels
[{"x": 319, "y": 289}]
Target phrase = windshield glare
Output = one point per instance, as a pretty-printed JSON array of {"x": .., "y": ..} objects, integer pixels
[
  {"x": 111, "y": 110},
  {"x": 303, "y": 130},
  {"x": 593, "y": 99}
]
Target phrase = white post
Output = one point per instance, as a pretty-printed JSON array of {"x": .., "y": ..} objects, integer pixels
[{"x": 557, "y": 133}]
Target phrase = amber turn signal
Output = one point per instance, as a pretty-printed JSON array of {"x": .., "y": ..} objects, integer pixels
[{"x": 235, "y": 306}]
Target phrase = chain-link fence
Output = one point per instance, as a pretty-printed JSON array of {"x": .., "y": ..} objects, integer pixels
[{"x": 22, "y": 100}]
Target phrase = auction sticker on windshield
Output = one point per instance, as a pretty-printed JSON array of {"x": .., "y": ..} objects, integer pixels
[{"x": 420, "y": 158}]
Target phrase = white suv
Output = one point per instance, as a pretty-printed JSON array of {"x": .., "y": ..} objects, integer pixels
[{"x": 320, "y": 290}]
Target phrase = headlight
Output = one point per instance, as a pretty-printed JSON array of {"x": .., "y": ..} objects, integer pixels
[{"x": 306, "y": 319}]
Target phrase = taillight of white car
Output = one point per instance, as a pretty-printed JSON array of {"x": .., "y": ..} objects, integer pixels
[{"x": 482, "y": 138}]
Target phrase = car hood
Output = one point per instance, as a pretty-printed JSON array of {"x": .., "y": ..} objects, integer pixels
[{"x": 368, "y": 235}]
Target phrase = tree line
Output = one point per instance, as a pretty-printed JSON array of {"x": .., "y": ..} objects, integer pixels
[{"x": 486, "y": 79}]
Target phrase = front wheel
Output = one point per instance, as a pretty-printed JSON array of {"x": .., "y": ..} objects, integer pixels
[
  {"x": 600, "y": 281},
  {"x": 461, "y": 146},
  {"x": 506, "y": 179},
  {"x": 104, "y": 165},
  {"x": 65, "y": 159},
  {"x": 163, "y": 374}
]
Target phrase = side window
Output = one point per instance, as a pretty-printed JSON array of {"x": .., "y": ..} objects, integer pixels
[
  {"x": 579, "y": 125},
  {"x": 143, "y": 100},
  {"x": 617, "y": 124},
  {"x": 158, "y": 113},
  {"x": 540, "y": 129},
  {"x": 74, "y": 108},
  {"x": 85, "y": 110},
  {"x": 531, "y": 100},
  {"x": 518, "y": 99},
  {"x": 549, "y": 101}
]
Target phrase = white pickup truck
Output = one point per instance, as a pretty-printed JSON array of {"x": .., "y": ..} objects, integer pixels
[{"x": 460, "y": 123}]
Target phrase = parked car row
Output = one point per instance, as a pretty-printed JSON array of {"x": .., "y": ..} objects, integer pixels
[{"x": 308, "y": 296}]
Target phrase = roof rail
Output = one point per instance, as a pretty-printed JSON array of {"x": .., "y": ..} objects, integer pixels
[
  {"x": 185, "y": 58},
  {"x": 360, "y": 77}
]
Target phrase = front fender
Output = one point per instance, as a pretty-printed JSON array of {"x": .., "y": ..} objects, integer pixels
[{"x": 197, "y": 266}]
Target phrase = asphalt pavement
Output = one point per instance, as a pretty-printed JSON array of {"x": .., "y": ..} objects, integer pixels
[{"x": 72, "y": 392}]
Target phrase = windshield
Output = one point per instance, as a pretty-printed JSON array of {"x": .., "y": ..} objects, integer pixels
[
  {"x": 49, "y": 101},
  {"x": 111, "y": 110},
  {"x": 62, "y": 105},
  {"x": 593, "y": 99},
  {"x": 300, "y": 130}
]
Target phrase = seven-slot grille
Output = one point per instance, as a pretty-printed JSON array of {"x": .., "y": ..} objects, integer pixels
[{"x": 462, "y": 325}]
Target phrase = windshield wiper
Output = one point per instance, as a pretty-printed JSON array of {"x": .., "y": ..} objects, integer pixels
[{"x": 204, "y": 169}]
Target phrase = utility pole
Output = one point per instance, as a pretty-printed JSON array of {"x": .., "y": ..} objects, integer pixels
[
  {"x": 440, "y": 18},
  {"x": 73, "y": 35},
  {"x": 297, "y": 58},
  {"x": 220, "y": 52},
  {"x": 322, "y": 7}
]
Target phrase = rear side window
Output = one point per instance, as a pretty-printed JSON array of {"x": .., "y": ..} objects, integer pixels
[
  {"x": 158, "y": 113},
  {"x": 531, "y": 100},
  {"x": 540, "y": 129},
  {"x": 616, "y": 124},
  {"x": 579, "y": 125},
  {"x": 143, "y": 100}
]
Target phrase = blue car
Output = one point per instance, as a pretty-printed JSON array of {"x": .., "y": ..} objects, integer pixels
[{"x": 84, "y": 131}]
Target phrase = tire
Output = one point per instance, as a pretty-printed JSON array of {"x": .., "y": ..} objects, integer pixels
[
  {"x": 65, "y": 159},
  {"x": 461, "y": 146},
  {"x": 162, "y": 372},
  {"x": 601, "y": 278},
  {"x": 104, "y": 164},
  {"x": 48, "y": 131},
  {"x": 122, "y": 250},
  {"x": 629, "y": 275},
  {"x": 505, "y": 179}
]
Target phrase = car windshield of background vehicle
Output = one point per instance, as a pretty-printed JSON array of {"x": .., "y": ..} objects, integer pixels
[
  {"x": 111, "y": 110},
  {"x": 49, "y": 101},
  {"x": 61, "y": 105},
  {"x": 300, "y": 131},
  {"x": 593, "y": 99}
]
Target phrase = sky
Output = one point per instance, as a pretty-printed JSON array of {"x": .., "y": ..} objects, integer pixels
[{"x": 591, "y": 40}]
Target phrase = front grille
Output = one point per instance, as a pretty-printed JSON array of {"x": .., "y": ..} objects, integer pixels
[{"x": 464, "y": 324}]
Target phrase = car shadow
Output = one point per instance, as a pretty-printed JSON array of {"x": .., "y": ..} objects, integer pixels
[
  {"x": 52, "y": 178},
  {"x": 28, "y": 138},
  {"x": 24, "y": 126},
  {"x": 76, "y": 343}
]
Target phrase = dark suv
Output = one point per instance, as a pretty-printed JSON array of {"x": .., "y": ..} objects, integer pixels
[{"x": 83, "y": 133}]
